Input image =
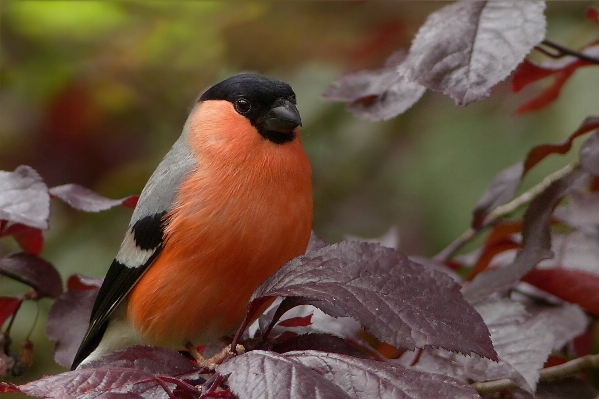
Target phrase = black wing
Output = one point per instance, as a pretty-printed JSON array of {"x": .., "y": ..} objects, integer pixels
[
  {"x": 147, "y": 234},
  {"x": 142, "y": 243}
]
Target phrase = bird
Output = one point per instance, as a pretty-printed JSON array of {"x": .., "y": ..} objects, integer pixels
[{"x": 228, "y": 205}]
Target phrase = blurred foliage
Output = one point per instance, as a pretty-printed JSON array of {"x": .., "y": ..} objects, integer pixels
[{"x": 96, "y": 92}]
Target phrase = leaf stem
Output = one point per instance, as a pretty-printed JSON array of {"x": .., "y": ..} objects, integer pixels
[
  {"x": 560, "y": 371},
  {"x": 564, "y": 51},
  {"x": 502, "y": 211},
  {"x": 12, "y": 319},
  {"x": 165, "y": 387}
]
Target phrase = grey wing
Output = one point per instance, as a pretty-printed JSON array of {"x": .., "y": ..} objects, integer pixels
[{"x": 142, "y": 242}]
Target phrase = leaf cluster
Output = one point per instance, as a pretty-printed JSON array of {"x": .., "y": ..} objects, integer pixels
[{"x": 360, "y": 320}]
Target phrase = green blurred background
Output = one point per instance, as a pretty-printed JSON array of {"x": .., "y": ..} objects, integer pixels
[{"x": 95, "y": 93}]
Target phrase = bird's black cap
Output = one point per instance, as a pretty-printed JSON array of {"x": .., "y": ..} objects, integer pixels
[{"x": 268, "y": 103}]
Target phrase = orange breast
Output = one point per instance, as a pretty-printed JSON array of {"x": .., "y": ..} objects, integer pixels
[{"x": 241, "y": 215}]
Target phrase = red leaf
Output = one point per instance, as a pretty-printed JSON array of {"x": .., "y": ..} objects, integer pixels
[
  {"x": 574, "y": 286},
  {"x": 34, "y": 271},
  {"x": 24, "y": 198},
  {"x": 529, "y": 72},
  {"x": 79, "y": 282},
  {"x": 7, "y": 387},
  {"x": 29, "y": 239},
  {"x": 8, "y": 306},
  {"x": 297, "y": 322},
  {"x": 538, "y": 153},
  {"x": 130, "y": 201},
  {"x": 592, "y": 13},
  {"x": 489, "y": 252},
  {"x": 548, "y": 95},
  {"x": 84, "y": 199}
]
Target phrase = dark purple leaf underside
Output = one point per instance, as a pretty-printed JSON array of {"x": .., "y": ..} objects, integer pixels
[
  {"x": 501, "y": 190},
  {"x": 34, "y": 271},
  {"x": 319, "y": 342},
  {"x": 398, "y": 301},
  {"x": 24, "y": 198},
  {"x": 536, "y": 245},
  {"x": 466, "y": 48},
  {"x": 378, "y": 94},
  {"x": 365, "y": 378},
  {"x": 68, "y": 320}
]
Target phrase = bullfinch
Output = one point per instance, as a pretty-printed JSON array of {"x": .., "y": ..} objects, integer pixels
[{"x": 229, "y": 204}]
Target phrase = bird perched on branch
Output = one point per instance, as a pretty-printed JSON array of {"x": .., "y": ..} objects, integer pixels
[{"x": 229, "y": 204}]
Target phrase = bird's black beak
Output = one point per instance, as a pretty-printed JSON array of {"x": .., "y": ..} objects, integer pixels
[{"x": 283, "y": 117}]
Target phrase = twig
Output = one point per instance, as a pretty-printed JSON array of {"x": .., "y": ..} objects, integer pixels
[
  {"x": 564, "y": 51},
  {"x": 549, "y": 374},
  {"x": 165, "y": 387},
  {"x": 502, "y": 211}
]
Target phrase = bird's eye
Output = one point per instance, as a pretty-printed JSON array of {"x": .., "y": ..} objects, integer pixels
[{"x": 242, "y": 105}]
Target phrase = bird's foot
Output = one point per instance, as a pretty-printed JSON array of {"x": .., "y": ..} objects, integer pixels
[{"x": 213, "y": 362}]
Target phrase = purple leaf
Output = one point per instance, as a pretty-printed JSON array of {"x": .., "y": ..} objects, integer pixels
[
  {"x": 357, "y": 85},
  {"x": 574, "y": 251},
  {"x": 149, "y": 359},
  {"x": 389, "y": 239},
  {"x": 522, "y": 341},
  {"x": 133, "y": 371},
  {"x": 501, "y": 190},
  {"x": 466, "y": 48},
  {"x": 96, "y": 382},
  {"x": 315, "y": 243},
  {"x": 589, "y": 154},
  {"x": 267, "y": 375},
  {"x": 379, "y": 94},
  {"x": 68, "y": 320},
  {"x": 536, "y": 240},
  {"x": 84, "y": 199},
  {"x": 365, "y": 378},
  {"x": 568, "y": 388},
  {"x": 24, "y": 198},
  {"x": 581, "y": 211},
  {"x": 319, "y": 342},
  {"x": 398, "y": 301},
  {"x": 34, "y": 271}
]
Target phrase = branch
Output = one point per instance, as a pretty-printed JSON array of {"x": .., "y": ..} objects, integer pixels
[
  {"x": 560, "y": 371},
  {"x": 502, "y": 211},
  {"x": 564, "y": 51}
]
